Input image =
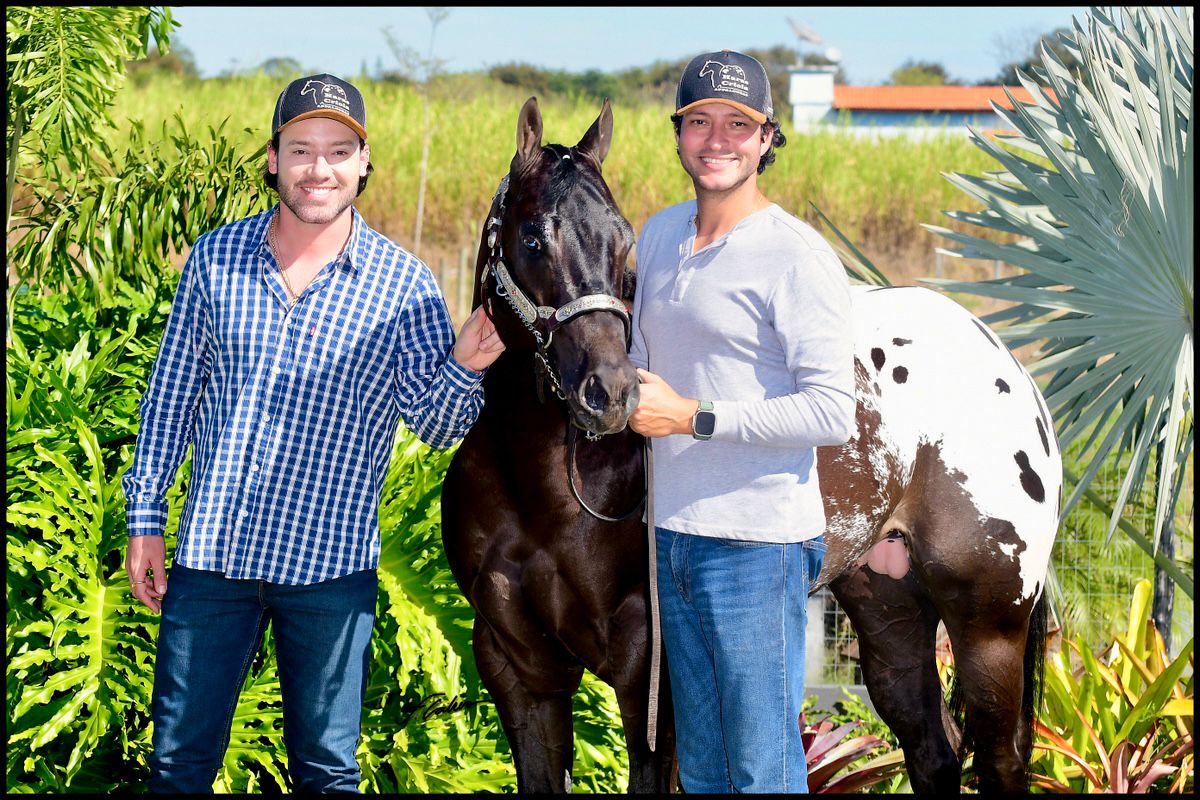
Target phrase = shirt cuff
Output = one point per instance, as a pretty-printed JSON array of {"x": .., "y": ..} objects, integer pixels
[
  {"x": 461, "y": 377},
  {"x": 728, "y": 427},
  {"x": 146, "y": 519}
]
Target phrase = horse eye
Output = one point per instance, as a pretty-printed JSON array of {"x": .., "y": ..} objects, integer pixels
[{"x": 531, "y": 243}]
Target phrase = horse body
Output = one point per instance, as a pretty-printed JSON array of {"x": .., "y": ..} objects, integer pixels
[
  {"x": 942, "y": 507},
  {"x": 555, "y": 589},
  {"x": 955, "y": 453}
]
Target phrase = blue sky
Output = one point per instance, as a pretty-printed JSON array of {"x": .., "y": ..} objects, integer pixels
[{"x": 972, "y": 43}]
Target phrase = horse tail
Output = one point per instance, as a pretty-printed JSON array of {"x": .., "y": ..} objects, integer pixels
[
  {"x": 1035, "y": 667},
  {"x": 957, "y": 705},
  {"x": 1031, "y": 701}
]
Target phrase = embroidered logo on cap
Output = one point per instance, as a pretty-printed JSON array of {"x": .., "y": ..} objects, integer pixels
[
  {"x": 327, "y": 95},
  {"x": 726, "y": 78}
]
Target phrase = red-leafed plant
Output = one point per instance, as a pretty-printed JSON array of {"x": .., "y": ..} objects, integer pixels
[{"x": 829, "y": 752}]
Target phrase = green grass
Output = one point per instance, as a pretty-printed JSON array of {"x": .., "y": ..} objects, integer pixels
[{"x": 875, "y": 191}]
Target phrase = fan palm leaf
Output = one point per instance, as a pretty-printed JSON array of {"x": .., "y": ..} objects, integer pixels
[{"x": 1097, "y": 183}]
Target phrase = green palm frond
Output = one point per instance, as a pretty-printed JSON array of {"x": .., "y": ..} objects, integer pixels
[
  {"x": 858, "y": 267},
  {"x": 64, "y": 65},
  {"x": 1097, "y": 182}
]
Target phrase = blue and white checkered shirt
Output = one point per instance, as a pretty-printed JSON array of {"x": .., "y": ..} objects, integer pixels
[{"x": 292, "y": 413}]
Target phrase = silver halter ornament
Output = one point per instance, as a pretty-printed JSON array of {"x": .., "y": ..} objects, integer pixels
[{"x": 535, "y": 317}]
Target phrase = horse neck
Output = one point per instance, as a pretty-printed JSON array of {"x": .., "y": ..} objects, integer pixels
[{"x": 511, "y": 405}]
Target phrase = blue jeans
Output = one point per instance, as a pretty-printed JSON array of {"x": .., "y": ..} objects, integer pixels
[
  {"x": 210, "y": 631},
  {"x": 733, "y": 617}
]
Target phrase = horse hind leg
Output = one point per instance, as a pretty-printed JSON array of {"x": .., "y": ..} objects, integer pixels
[
  {"x": 992, "y": 649},
  {"x": 970, "y": 570},
  {"x": 535, "y": 712},
  {"x": 896, "y": 626}
]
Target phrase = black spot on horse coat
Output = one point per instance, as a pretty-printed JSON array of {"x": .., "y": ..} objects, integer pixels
[{"x": 1030, "y": 481}]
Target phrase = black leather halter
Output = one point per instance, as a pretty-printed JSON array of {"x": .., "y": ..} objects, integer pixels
[{"x": 537, "y": 319}]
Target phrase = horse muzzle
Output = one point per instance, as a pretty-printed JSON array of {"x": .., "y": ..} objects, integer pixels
[{"x": 605, "y": 398}]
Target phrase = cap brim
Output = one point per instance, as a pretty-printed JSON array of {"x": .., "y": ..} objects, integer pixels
[
  {"x": 345, "y": 119},
  {"x": 757, "y": 116}
]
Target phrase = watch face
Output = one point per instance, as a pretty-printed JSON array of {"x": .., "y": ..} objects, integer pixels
[{"x": 704, "y": 423}]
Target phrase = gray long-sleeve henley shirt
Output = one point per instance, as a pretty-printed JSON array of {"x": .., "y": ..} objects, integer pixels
[{"x": 758, "y": 322}]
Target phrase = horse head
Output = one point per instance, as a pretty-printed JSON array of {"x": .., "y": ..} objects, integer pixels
[{"x": 552, "y": 259}]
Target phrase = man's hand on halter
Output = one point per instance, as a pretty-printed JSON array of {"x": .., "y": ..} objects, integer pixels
[
  {"x": 660, "y": 410},
  {"x": 478, "y": 344}
]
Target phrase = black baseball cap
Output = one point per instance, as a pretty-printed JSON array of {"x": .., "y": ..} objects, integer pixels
[
  {"x": 320, "y": 96},
  {"x": 728, "y": 77}
]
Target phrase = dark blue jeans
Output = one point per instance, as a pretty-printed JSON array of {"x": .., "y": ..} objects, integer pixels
[
  {"x": 211, "y": 629},
  {"x": 733, "y": 619}
]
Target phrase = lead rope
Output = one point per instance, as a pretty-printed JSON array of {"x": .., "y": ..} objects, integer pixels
[
  {"x": 655, "y": 643},
  {"x": 572, "y": 438}
]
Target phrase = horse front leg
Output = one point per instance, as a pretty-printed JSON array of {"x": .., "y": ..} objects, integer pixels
[
  {"x": 897, "y": 629},
  {"x": 650, "y": 771},
  {"x": 533, "y": 699}
]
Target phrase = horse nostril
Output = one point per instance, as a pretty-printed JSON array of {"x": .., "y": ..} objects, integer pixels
[{"x": 594, "y": 395}]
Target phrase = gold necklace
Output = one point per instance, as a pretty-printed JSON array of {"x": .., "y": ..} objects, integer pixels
[{"x": 274, "y": 245}]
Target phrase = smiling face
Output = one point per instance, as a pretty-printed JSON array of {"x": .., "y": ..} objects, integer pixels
[
  {"x": 318, "y": 164},
  {"x": 720, "y": 147}
]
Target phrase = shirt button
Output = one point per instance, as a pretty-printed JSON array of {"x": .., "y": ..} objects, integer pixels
[
  {"x": 276, "y": 370},
  {"x": 243, "y": 514},
  {"x": 254, "y": 467}
]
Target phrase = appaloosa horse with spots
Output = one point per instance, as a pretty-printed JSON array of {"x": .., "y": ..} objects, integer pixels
[{"x": 943, "y": 506}]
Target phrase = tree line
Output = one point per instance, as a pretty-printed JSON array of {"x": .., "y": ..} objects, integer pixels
[{"x": 652, "y": 83}]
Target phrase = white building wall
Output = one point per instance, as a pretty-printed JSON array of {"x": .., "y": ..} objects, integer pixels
[{"x": 810, "y": 93}]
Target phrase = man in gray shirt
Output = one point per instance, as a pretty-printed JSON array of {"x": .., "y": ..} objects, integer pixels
[{"x": 742, "y": 338}]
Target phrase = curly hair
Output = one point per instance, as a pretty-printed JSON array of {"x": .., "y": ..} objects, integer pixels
[
  {"x": 272, "y": 180},
  {"x": 777, "y": 140}
]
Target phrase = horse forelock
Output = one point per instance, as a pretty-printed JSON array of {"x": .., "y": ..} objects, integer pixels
[{"x": 556, "y": 188}]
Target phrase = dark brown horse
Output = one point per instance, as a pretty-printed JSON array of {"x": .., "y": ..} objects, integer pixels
[
  {"x": 942, "y": 507},
  {"x": 555, "y": 589}
]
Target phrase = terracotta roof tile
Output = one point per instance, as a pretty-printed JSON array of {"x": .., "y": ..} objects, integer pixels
[{"x": 926, "y": 98}]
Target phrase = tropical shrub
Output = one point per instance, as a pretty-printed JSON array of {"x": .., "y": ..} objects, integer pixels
[
  {"x": 831, "y": 757},
  {"x": 1121, "y": 720}
]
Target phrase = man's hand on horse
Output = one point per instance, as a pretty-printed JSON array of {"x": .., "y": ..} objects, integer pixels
[
  {"x": 478, "y": 343},
  {"x": 661, "y": 411}
]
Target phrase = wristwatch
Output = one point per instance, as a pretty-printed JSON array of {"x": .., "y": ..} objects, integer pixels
[{"x": 704, "y": 421}]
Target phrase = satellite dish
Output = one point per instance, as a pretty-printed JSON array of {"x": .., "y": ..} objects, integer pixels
[
  {"x": 803, "y": 32},
  {"x": 833, "y": 54}
]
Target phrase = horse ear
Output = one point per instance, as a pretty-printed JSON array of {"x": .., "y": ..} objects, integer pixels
[
  {"x": 529, "y": 131},
  {"x": 598, "y": 137}
]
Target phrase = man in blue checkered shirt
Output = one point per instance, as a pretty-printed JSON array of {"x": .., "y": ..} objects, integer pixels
[{"x": 298, "y": 340}]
